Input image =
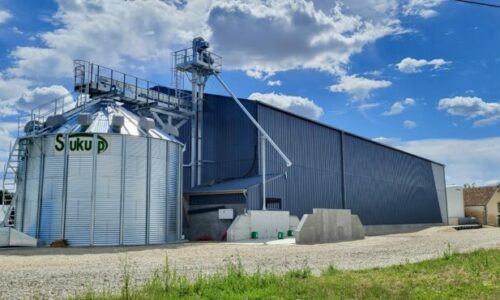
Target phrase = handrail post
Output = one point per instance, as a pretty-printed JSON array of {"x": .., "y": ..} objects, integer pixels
[{"x": 136, "y": 83}]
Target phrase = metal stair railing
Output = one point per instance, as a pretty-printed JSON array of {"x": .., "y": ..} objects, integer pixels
[
  {"x": 95, "y": 80},
  {"x": 10, "y": 179}
]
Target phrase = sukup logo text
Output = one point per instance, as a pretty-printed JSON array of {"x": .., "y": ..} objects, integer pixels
[{"x": 81, "y": 142}]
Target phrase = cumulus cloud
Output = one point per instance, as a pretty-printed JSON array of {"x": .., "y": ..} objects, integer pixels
[
  {"x": 478, "y": 161},
  {"x": 423, "y": 8},
  {"x": 10, "y": 91},
  {"x": 120, "y": 34},
  {"x": 4, "y": 16},
  {"x": 17, "y": 96},
  {"x": 41, "y": 95},
  {"x": 274, "y": 83},
  {"x": 297, "y": 34},
  {"x": 368, "y": 106},
  {"x": 412, "y": 65},
  {"x": 359, "y": 88},
  {"x": 298, "y": 105},
  {"x": 399, "y": 106},
  {"x": 8, "y": 131},
  {"x": 409, "y": 124},
  {"x": 484, "y": 113}
]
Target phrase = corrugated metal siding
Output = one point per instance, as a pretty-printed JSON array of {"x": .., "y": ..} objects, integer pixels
[
  {"x": 134, "y": 219},
  {"x": 439, "y": 181},
  {"x": 158, "y": 192},
  {"x": 108, "y": 193},
  {"x": 229, "y": 143},
  {"x": 52, "y": 196},
  {"x": 30, "y": 205},
  {"x": 173, "y": 201},
  {"x": 79, "y": 203},
  {"x": 314, "y": 180},
  {"x": 388, "y": 187}
]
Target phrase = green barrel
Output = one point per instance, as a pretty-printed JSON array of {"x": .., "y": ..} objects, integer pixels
[
  {"x": 281, "y": 235},
  {"x": 255, "y": 235},
  {"x": 290, "y": 232}
]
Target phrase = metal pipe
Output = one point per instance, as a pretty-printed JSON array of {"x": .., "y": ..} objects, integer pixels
[
  {"x": 199, "y": 145},
  {"x": 262, "y": 131},
  {"x": 193, "y": 136},
  {"x": 263, "y": 158}
]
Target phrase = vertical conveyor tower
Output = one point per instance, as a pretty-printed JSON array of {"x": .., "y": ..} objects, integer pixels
[{"x": 200, "y": 64}]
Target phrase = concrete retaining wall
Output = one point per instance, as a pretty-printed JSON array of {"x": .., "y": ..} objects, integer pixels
[
  {"x": 10, "y": 237},
  {"x": 266, "y": 223},
  {"x": 329, "y": 225}
]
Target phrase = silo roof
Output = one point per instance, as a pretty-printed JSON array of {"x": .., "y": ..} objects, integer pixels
[{"x": 101, "y": 114}]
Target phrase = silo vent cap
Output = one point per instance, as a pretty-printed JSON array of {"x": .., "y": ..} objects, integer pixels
[
  {"x": 117, "y": 122},
  {"x": 85, "y": 119},
  {"x": 147, "y": 123},
  {"x": 55, "y": 121}
]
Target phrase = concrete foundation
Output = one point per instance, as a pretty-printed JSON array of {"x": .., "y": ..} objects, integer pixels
[
  {"x": 10, "y": 237},
  {"x": 396, "y": 228},
  {"x": 266, "y": 223},
  {"x": 327, "y": 226}
]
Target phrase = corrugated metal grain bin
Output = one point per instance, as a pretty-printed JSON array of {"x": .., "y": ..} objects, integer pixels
[{"x": 99, "y": 183}]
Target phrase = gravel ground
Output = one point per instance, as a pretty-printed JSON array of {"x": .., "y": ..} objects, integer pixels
[{"x": 55, "y": 273}]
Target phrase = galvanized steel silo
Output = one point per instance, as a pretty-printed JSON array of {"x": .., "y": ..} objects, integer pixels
[{"x": 93, "y": 181}]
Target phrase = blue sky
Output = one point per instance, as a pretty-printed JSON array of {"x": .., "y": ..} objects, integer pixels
[{"x": 421, "y": 75}]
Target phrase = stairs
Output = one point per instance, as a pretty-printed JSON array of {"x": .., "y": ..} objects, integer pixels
[{"x": 10, "y": 180}]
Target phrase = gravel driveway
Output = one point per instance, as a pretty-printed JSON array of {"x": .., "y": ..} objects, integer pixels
[{"x": 52, "y": 273}]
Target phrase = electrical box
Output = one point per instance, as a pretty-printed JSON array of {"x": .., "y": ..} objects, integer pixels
[{"x": 226, "y": 214}]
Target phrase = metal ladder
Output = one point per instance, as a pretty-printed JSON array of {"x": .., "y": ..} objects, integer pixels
[
  {"x": 17, "y": 157},
  {"x": 178, "y": 83}
]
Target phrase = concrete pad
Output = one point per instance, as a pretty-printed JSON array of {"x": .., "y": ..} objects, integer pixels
[{"x": 285, "y": 242}]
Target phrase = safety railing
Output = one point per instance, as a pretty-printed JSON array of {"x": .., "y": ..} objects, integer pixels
[
  {"x": 92, "y": 78},
  {"x": 57, "y": 106},
  {"x": 187, "y": 58}
]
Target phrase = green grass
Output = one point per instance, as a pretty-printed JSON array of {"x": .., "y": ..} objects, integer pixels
[{"x": 454, "y": 276}]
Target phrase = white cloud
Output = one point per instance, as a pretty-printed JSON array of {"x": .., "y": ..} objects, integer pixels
[
  {"x": 368, "y": 106},
  {"x": 299, "y": 105},
  {"x": 115, "y": 37},
  {"x": 477, "y": 161},
  {"x": 359, "y": 88},
  {"x": 4, "y": 16},
  {"x": 274, "y": 83},
  {"x": 409, "y": 124},
  {"x": 17, "y": 96},
  {"x": 41, "y": 95},
  {"x": 485, "y": 113},
  {"x": 297, "y": 34},
  {"x": 275, "y": 36},
  {"x": 399, "y": 106},
  {"x": 412, "y": 65},
  {"x": 422, "y": 8},
  {"x": 8, "y": 131}
]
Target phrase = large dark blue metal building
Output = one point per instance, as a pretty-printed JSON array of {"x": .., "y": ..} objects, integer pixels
[{"x": 331, "y": 169}]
